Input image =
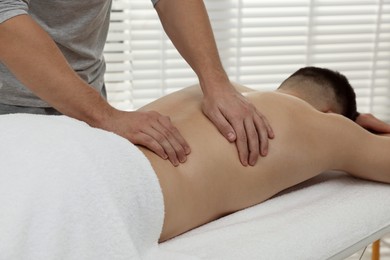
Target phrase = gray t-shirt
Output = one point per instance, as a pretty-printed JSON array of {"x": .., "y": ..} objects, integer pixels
[{"x": 79, "y": 28}]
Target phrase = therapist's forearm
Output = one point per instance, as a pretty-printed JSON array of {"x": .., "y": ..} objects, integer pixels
[
  {"x": 29, "y": 52},
  {"x": 187, "y": 24},
  {"x": 33, "y": 57}
]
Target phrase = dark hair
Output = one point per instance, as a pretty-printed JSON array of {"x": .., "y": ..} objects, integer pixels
[{"x": 326, "y": 78}]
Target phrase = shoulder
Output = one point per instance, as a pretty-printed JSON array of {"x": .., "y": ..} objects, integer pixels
[{"x": 279, "y": 100}]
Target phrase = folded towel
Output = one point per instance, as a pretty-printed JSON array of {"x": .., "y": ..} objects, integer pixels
[{"x": 69, "y": 191}]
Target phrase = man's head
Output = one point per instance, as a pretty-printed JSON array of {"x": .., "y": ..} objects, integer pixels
[{"x": 326, "y": 90}]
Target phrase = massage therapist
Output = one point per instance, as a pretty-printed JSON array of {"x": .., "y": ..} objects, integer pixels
[{"x": 51, "y": 62}]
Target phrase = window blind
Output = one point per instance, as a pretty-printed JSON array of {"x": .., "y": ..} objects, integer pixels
[{"x": 260, "y": 44}]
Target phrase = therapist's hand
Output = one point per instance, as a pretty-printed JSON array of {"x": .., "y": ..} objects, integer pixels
[
  {"x": 238, "y": 121},
  {"x": 152, "y": 130},
  {"x": 46, "y": 72}
]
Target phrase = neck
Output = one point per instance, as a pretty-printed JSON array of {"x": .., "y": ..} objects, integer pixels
[
  {"x": 312, "y": 100},
  {"x": 291, "y": 92}
]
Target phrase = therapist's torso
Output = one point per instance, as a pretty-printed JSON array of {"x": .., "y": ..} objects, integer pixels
[{"x": 79, "y": 29}]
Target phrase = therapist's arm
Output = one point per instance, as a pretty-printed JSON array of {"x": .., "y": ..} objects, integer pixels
[
  {"x": 33, "y": 57},
  {"x": 187, "y": 24}
]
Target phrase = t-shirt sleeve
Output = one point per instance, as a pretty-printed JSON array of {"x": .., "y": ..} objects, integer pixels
[{"x": 11, "y": 8}]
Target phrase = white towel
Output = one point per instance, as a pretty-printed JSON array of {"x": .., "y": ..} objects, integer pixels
[{"x": 69, "y": 191}]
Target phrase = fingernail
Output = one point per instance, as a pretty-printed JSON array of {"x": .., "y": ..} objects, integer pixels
[
  {"x": 245, "y": 163},
  {"x": 182, "y": 160},
  {"x": 231, "y": 136},
  {"x": 252, "y": 162},
  {"x": 187, "y": 150}
]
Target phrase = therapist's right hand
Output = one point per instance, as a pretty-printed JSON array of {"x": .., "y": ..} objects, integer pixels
[{"x": 153, "y": 131}]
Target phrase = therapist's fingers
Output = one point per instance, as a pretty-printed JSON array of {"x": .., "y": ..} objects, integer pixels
[
  {"x": 176, "y": 140},
  {"x": 222, "y": 124},
  {"x": 159, "y": 135},
  {"x": 241, "y": 141},
  {"x": 264, "y": 120},
  {"x": 149, "y": 142},
  {"x": 253, "y": 143},
  {"x": 238, "y": 120},
  {"x": 154, "y": 131},
  {"x": 264, "y": 131},
  {"x": 170, "y": 139}
]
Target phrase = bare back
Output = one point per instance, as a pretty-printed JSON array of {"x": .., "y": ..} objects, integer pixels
[{"x": 213, "y": 183}]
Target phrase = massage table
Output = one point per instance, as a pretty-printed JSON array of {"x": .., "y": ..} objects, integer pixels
[
  {"x": 69, "y": 191},
  {"x": 330, "y": 216}
]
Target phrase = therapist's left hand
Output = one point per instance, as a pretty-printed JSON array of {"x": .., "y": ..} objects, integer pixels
[{"x": 239, "y": 121}]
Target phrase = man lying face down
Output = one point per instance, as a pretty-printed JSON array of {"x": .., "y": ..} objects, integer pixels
[
  {"x": 327, "y": 91},
  {"x": 308, "y": 141},
  {"x": 330, "y": 92}
]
